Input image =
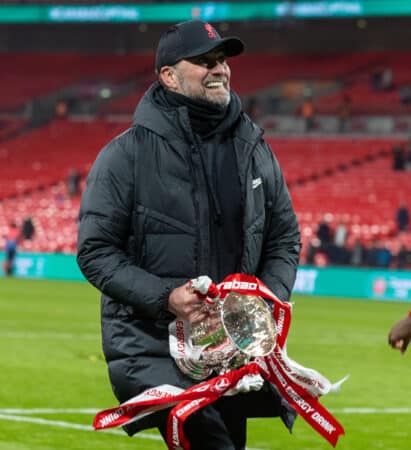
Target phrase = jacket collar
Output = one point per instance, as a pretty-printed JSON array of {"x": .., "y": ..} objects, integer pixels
[
  {"x": 172, "y": 124},
  {"x": 161, "y": 120}
]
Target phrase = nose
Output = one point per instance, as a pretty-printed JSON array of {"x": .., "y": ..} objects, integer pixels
[{"x": 219, "y": 67}]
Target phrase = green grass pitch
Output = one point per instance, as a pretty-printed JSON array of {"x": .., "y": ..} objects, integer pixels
[{"x": 53, "y": 376}]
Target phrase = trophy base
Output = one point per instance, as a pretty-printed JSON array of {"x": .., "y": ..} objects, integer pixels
[
  {"x": 215, "y": 362},
  {"x": 194, "y": 369}
]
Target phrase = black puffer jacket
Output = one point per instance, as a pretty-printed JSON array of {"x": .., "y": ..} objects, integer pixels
[{"x": 144, "y": 229}]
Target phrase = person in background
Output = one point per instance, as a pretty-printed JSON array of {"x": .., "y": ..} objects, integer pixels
[
  {"x": 254, "y": 108},
  {"x": 403, "y": 257},
  {"x": 407, "y": 156},
  {"x": 387, "y": 79},
  {"x": 27, "y": 228},
  {"x": 400, "y": 334},
  {"x": 340, "y": 234},
  {"x": 61, "y": 109},
  {"x": 11, "y": 242},
  {"x": 312, "y": 249},
  {"x": 398, "y": 162},
  {"x": 382, "y": 79},
  {"x": 308, "y": 113},
  {"x": 405, "y": 94},
  {"x": 384, "y": 255},
  {"x": 358, "y": 253},
  {"x": 376, "y": 76},
  {"x": 372, "y": 254},
  {"x": 403, "y": 217},
  {"x": 337, "y": 251},
  {"x": 73, "y": 183},
  {"x": 344, "y": 114},
  {"x": 192, "y": 188},
  {"x": 324, "y": 234}
]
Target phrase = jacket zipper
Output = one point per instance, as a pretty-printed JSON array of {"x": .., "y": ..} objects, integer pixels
[{"x": 245, "y": 190}]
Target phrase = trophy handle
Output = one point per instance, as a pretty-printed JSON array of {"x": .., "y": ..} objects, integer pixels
[{"x": 204, "y": 287}]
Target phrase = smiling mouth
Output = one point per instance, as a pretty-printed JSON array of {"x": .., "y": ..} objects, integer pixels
[{"x": 214, "y": 85}]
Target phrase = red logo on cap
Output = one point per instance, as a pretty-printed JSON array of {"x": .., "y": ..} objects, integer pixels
[{"x": 210, "y": 31}]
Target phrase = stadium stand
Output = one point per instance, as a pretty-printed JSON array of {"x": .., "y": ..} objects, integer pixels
[
  {"x": 10, "y": 127},
  {"x": 271, "y": 70},
  {"x": 349, "y": 177},
  {"x": 349, "y": 180},
  {"x": 366, "y": 98},
  {"x": 42, "y": 157},
  {"x": 344, "y": 74},
  {"x": 54, "y": 72},
  {"x": 34, "y": 185}
]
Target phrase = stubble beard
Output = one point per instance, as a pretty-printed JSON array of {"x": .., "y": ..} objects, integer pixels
[{"x": 222, "y": 101}]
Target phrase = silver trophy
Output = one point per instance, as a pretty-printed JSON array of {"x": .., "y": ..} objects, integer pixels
[{"x": 239, "y": 327}]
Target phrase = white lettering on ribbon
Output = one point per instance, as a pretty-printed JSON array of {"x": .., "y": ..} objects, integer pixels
[
  {"x": 188, "y": 406},
  {"x": 300, "y": 401},
  {"x": 233, "y": 285},
  {"x": 180, "y": 338},
  {"x": 317, "y": 417},
  {"x": 280, "y": 322},
  {"x": 110, "y": 418},
  {"x": 175, "y": 434}
]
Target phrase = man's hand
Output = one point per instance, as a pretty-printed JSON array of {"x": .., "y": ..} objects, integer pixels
[
  {"x": 400, "y": 335},
  {"x": 187, "y": 305}
]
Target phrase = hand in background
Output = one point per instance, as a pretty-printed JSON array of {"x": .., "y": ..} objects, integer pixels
[{"x": 400, "y": 334}]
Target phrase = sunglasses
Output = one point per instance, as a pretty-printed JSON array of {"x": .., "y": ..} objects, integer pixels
[{"x": 207, "y": 61}]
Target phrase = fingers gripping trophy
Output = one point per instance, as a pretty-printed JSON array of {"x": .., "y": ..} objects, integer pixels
[{"x": 238, "y": 327}]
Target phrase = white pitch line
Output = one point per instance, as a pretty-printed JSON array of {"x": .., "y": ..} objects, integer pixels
[
  {"x": 371, "y": 410},
  {"x": 75, "y": 426},
  {"x": 49, "y": 411}
]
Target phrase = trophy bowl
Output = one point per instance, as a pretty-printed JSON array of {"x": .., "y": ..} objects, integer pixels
[
  {"x": 239, "y": 327},
  {"x": 249, "y": 323}
]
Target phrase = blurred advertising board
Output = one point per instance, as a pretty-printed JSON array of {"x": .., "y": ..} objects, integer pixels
[
  {"x": 327, "y": 281},
  {"x": 354, "y": 282},
  {"x": 58, "y": 266},
  {"x": 209, "y": 11}
]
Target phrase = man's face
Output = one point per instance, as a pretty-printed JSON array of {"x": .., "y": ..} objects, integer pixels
[{"x": 205, "y": 77}]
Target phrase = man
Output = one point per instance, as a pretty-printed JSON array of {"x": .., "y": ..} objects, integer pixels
[
  {"x": 403, "y": 217},
  {"x": 400, "y": 334},
  {"x": 190, "y": 189},
  {"x": 11, "y": 242}
]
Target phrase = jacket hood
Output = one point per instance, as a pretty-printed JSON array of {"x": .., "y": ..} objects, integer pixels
[
  {"x": 166, "y": 122},
  {"x": 157, "y": 118}
]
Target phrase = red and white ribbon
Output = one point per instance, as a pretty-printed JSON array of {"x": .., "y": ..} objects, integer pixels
[{"x": 299, "y": 385}]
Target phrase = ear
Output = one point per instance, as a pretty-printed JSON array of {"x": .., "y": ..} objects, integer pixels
[{"x": 168, "y": 78}]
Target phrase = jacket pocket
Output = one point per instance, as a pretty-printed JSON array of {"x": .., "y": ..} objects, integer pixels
[
  {"x": 167, "y": 245},
  {"x": 159, "y": 222}
]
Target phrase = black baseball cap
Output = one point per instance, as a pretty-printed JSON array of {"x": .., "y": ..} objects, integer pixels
[{"x": 193, "y": 38}]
